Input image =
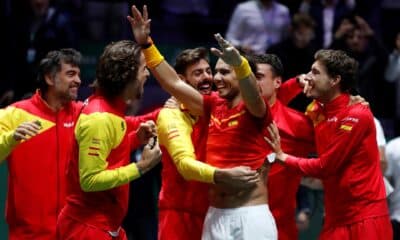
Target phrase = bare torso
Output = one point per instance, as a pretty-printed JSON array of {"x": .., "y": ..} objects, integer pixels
[{"x": 222, "y": 197}]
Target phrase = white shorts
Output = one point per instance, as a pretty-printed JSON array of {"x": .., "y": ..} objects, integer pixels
[{"x": 244, "y": 223}]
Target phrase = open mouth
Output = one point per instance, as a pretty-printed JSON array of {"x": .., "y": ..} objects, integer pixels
[{"x": 204, "y": 86}]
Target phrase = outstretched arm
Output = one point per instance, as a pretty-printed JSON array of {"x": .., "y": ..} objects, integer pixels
[
  {"x": 174, "y": 131},
  {"x": 247, "y": 81},
  {"x": 162, "y": 71}
]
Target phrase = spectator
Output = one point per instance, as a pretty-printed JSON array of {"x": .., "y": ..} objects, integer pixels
[
  {"x": 299, "y": 45},
  {"x": 256, "y": 25},
  {"x": 392, "y": 74},
  {"x": 393, "y": 173},
  {"x": 355, "y": 37},
  {"x": 43, "y": 28},
  {"x": 327, "y": 14}
]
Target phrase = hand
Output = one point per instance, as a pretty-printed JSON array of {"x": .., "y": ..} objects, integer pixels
[
  {"x": 302, "y": 221},
  {"x": 301, "y": 80},
  {"x": 345, "y": 27},
  {"x": 140, "y": 25},
  {"x": 229, "y": 53},
  {"x": 241, "y": 177},
  {"x": 307, "y": 85},
  {"x": 172, "y": 103},
  {"x": 151, "y": 156},
  {"x": 358, "y": 99},
  {"x": 146, "y": 131},
  {"x": 274, "y": 141},
  {"x": 364, "y": 26},
  {"x": 26, "y": 130}
]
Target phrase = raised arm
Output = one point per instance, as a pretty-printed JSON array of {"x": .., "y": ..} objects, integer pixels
[
  {"x": 247, "y": 81},
  {"x": 162, "y": 71}
]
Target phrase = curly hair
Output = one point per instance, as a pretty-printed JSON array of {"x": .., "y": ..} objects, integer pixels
[
  {"x": 338, "y": 63},
  {"x": 51, "y": 64},
  {"x": 189, "y": 57},
  {"x": 117, "y": 66}
]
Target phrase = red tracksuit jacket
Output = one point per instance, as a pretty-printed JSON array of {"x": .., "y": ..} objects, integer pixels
[
  {"x": 36, "y": 183},
  {"x": 348, "y": 162}
]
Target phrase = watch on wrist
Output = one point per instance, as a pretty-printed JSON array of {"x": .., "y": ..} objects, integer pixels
[{"x": 271, "y": 157}]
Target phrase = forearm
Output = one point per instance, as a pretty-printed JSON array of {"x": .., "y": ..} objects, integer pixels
[
  {"x": 192, "y": 169},
  {"x": 92, "y": 180},
  {"x": 7, "y": 143},
  {"x": 170, "y": 81},
  {"x": 306, "y": 166},
  {"x": 249, "y": 90},
  {"x": 289, "y": 90}
]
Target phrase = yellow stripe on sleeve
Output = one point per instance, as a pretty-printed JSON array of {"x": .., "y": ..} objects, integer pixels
[
  {"x": 10, "y": 118},
  {"x": 174, "y": 131},
  {"x": 346, "y": 127},
  {"x": 97, "y": 135}
]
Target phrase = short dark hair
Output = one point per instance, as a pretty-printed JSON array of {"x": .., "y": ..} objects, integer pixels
[
  {"x": 189, "y": 57},
  {"x": 338, "y": 63},
  {"x": 270, "y": 59},
  {"x": 51, "y": 64},
  {"x": 118, "y": 65},
  {"x": 302, "y": 19}
]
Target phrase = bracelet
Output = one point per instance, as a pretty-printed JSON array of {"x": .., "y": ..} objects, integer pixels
[
  {"x": 152, "y": 55},
  {"x": 244, "y": 70}
]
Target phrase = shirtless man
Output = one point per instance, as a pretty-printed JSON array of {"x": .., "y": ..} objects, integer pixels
[{"x": 238, "y": 119}]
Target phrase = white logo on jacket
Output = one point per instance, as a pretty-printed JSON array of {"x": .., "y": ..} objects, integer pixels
[{"x": 68, "y": 124}]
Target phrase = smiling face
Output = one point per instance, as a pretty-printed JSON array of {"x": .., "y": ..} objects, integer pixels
[
  {"x": 225, "y": 81},
  {"x": 321, "y": 84},
  {"x": 199, "y": 76},
  {"x": 267, "y": 81},
  {"x": 65, "y": 83},
  {"x": 135, "y": 88}
]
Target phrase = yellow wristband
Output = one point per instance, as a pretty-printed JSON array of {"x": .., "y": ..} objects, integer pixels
[
  {"x": 244, "y": 70},
  {"x": 153, "y": 56}
]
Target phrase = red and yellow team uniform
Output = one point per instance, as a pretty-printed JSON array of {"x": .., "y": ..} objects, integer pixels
[
  {"x": 348, "y": 164},
  {"x": 37, "y": 166},
  {"x": 297, "y": 138},
  {"x": 99, "y": 173},
  {"x": 183, "y": 200},
  {"x": 235, "y": 137}
]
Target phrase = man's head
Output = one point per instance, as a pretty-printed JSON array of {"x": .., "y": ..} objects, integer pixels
[
  {"x": 356, "y": 40},
  {"x": 332, "y": 73},
  {"x": 302, "y": 30},
  {"x": 121, "y": 71},
  {"x": 225, "y": 81},
  {"x": 268, "y": 70},
  {"x": 59, "y": 74},
  {"x": 193, "y": 67}
]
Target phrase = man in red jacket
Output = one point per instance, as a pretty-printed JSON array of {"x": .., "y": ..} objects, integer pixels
[
  {"x": 348, "y": 163},
  {"x": 183, "y": 199},
  {"x": 99, "y": 170},
  {"x": 36, "y": 136},
  {"x": 268, "y": 70}
]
